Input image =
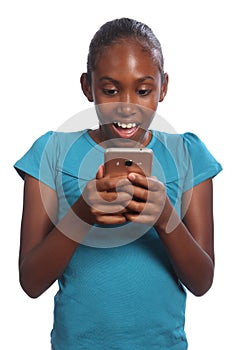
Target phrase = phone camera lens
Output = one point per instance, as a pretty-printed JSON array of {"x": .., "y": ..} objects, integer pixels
[{"x": 128, "y": 162}]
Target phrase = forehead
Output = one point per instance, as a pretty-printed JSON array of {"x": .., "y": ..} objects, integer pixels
[{"x": 126, "y": 56}]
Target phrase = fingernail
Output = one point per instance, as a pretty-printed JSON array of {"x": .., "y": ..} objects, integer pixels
[{"x": 132, "y": 176}]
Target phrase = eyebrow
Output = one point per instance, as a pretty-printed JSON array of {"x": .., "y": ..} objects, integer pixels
[
  {"x": 117, "y": 82},
  {"x": 109, "y": 79}
]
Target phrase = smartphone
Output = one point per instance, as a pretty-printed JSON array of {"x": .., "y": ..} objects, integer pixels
[{"x": 121, "y": 161}]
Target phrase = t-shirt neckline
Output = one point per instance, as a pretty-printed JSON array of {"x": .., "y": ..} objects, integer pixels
[{"x": 102, "y": 149}]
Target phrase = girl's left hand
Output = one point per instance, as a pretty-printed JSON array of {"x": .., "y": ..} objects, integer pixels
[{"x": 148, "y": 200}]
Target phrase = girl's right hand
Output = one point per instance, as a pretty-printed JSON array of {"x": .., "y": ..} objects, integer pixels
[{"x": 103, "y": 201}]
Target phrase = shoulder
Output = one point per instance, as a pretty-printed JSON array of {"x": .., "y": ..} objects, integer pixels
[
  {"x": 45, "y": 150},
  {"x": 169, "y": 144},
  {"x": 188, "y": 151},
  {"x": 57, "y": 140},
  {"x": 195, "y": 147},
  {"x": 61, "y": 136},
  {"x": 166, "y": 137},
  {"x": 186, "y": 141},
  {"x": 42, "y": 140},
  {"x": 192, "y": 140}
]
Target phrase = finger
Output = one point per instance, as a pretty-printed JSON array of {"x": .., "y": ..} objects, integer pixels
[
  {"x": 103, "y": 209},
  {"x": 139, "y": 218},
  {"x": 135, "y": 206},
  {"x": 115, "y": 197},
  {"x": 111, "y": 219},
  {"x": 110, "y": 202},
  {"x": 139, "y": 193},
  {"x": 130, "y": 216},
  {"x": 110, "y": 184},
  {"x": 124, "y": 185},
  {"x": 100, "y": 172},
  {"x": 151, "y": 183}
]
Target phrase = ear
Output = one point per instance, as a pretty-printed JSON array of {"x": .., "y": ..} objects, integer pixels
[
  {"x": 86, "y": 87},
  {"x": 164, "y": 87}
]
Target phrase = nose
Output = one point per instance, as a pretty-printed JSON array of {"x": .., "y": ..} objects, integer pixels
[
  {"x": 126, "y": 105},
  {"x": 126, "y": 109}
]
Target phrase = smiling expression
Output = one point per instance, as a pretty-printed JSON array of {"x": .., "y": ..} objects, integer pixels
[{"x": 126, "y": 87}]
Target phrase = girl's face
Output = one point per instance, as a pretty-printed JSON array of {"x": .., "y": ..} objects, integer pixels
[{"x": 126, "y": 88}]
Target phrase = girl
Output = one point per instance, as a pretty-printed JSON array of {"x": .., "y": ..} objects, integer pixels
[{"x": 123, "y": 261}]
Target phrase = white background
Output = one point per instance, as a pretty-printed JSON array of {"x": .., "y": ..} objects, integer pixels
[{"x": 43, "y": 52}]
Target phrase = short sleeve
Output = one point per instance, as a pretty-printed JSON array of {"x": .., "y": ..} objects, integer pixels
[
  {"x": 201, "y": 163},
  {"x": 39, "y": 160}
]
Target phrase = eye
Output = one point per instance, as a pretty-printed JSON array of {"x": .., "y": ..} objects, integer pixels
[
  {"x": 144, "y": 92},
  {"x": 110, "y": 92}
]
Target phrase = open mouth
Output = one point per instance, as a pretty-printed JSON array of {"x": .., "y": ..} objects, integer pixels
[
  {"x": 124, "y": 125},
  {"x": 125, "y": 129}
]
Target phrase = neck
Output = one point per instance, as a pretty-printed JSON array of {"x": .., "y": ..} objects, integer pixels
[{"x": 98, "y": 136}]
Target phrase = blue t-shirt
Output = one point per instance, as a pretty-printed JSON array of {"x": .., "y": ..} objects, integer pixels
[{"x": 119, "y": 290}]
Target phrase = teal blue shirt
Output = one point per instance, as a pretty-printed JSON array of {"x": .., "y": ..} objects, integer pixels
[{"x": 119, "y": 290}]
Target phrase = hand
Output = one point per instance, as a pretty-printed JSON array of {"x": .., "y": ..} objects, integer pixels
[
  {"x": 103, "y": 200},
  {"x": 148, "y": 201}
]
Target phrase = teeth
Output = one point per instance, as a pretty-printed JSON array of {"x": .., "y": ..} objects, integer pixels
[{"x": 126, "y": 126}]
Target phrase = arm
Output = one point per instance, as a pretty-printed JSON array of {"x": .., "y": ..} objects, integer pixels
[
  {"x": 46, "y": 245},
  {"x": 189, "y": 242},
  {"x": 44, "y": 250}
]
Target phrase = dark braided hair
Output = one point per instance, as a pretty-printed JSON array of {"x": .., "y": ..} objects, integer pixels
[{"x": 119, "y": 29}]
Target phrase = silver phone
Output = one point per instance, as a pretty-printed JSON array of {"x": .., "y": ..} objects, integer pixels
[{"x": 121, "y": 161}]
